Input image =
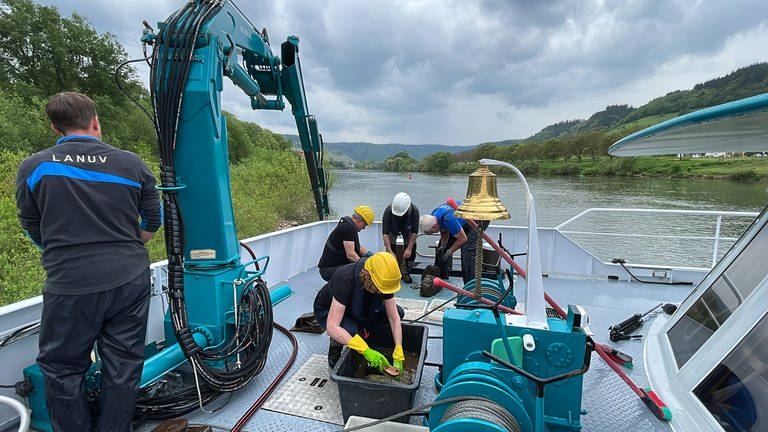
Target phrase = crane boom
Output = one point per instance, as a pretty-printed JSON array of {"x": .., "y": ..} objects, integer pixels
[{"x": 194, "y": 49}]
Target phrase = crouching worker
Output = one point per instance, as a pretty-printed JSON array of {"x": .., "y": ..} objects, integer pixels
[{"x": 357, "y": 300}]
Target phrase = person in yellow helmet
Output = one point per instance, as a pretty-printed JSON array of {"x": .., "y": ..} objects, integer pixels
[
  {"x": 343, "y": 244},
  {"x": 358, "y": 301}
]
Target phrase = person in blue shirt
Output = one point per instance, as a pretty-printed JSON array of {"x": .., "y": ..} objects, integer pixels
[{"x": 455, "y": 234}]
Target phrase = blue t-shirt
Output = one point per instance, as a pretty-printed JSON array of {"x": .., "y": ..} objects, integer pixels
[{"x": 447, "y": 220}]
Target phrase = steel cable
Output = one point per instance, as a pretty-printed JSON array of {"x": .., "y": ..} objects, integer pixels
[{"x": 481, "y": 410}]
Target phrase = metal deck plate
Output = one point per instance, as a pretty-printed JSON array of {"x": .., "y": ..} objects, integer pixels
[{"x": 309, "y": 393}]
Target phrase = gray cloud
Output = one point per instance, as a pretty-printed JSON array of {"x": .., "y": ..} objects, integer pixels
[{"x": 465, "y": 72}]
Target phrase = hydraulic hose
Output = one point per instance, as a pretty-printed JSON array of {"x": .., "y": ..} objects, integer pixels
[
  {"x": 171, "y": 63},
  {"x": 260, "y": 401},
  {"x": 19, "y": 408}
]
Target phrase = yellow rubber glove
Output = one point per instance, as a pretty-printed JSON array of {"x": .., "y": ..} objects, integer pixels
[
  {"x": 357, "y": 343},
  {"x": 398, "y": 358}
]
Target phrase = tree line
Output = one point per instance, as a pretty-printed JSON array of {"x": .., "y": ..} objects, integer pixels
[
  {"x": 579, "y": 147},
  {"x": 531, "y": 157}
]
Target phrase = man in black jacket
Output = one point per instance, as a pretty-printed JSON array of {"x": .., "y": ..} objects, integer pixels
[{"x": 90, "y": 207}]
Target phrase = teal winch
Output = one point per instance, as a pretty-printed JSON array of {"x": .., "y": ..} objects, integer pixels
[{"x": 539, "y": 389}]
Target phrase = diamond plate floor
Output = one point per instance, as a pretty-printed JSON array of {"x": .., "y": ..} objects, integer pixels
[{"x": 309, "y": 393}]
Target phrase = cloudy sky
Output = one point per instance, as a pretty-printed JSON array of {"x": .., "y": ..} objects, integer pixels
[{"x": 472, "y": 71}]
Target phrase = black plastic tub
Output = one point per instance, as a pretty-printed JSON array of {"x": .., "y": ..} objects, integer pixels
[{"x": 361, "y": 397}]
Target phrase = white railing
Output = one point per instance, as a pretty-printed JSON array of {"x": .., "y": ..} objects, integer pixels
[{"x": 689, "y": 231}]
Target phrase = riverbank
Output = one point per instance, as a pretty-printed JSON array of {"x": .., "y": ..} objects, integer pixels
[
  {"x": 748, "y": 169},
  {"x": 736, "y": 168}
]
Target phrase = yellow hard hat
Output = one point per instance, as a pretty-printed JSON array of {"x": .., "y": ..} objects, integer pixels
[
  {"x": 366, "y": 213},
  {"x": 384, "y": 271}
]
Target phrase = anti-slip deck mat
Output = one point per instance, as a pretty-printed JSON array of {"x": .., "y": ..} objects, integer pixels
[{"x": 309, "y": 393}]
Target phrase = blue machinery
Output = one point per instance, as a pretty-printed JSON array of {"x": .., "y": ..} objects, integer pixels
[
  {"x": 539, "y": 389},
  {"x": 219, "y": 321},
  {"x": 501, "y": 374}
]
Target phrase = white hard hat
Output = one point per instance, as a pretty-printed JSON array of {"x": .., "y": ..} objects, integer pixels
[{"x": 400, "y": 204}]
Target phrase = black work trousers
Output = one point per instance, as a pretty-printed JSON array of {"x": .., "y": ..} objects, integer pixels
[
  {"x": 117, "y": 320},
  {"x": 468, "y": 253}
]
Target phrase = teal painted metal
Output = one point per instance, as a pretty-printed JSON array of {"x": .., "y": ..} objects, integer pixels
[
  {"x": 492, "y": 290},
  {"x": 558, "y": 351},
  {"x": 280, "y": 293},
  {"x": 41, "y": 421},
  {"x": 169, "y": 359},
  {"x": 227, "y": 41},
  {"x": 210, "y": 297},
  {"x": 481, "y": 379},
  {"x": 740, "y": 126}
]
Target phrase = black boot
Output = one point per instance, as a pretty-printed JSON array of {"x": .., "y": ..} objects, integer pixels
[
  {"x": 334, "y": 353},
  {"x": 405, "y": 270}
]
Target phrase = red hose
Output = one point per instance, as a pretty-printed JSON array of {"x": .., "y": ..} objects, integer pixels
[
  {"x": 443, "y": 284},
  {"x": 263, "y": 398}
]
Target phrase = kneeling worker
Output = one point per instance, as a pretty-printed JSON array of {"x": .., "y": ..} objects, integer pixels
[
  {"x": 343, "y": 244},
  {"x": 358, "y": 299}
]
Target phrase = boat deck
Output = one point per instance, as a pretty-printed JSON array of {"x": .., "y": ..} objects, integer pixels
[{"x": 608, "y": 402}]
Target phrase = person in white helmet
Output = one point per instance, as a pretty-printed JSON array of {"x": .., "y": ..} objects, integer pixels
[{"x": 401, "y": 218}]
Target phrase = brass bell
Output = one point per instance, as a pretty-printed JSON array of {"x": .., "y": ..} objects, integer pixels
[{"x": 482, "y": 202}]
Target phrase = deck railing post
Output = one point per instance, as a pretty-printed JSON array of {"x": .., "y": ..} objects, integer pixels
[{"x": 717, "y": 240}]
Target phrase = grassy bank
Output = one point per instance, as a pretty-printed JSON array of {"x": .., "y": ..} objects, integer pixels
[
  {"x": 733, "y": 168},
  {"x": 748, "y": 169}
]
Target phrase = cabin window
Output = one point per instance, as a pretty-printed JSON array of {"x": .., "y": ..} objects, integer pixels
[
  {"x": 736, "y": 391},
  {"x": 721, "y": 299}
]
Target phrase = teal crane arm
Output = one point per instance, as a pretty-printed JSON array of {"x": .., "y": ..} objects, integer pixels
[
  {"x": 193, "y": 50},
  {"x": 264, "y": 74}
]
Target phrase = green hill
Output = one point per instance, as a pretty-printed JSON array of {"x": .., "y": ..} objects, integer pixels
[{"x": 359, "y": 151}]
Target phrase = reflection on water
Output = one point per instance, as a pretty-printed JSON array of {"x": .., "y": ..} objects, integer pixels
[{"x": 559, "y": 199}]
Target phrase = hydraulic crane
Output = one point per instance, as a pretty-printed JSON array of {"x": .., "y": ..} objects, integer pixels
[{"x": 194, "y": 49}]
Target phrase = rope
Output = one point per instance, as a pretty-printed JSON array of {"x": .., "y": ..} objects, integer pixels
[
  {"x": 481, "y": 410},
  {"x": 478, "y": 264}
]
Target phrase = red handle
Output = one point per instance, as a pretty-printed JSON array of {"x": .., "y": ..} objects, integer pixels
[{"x": 443, "y": 284}]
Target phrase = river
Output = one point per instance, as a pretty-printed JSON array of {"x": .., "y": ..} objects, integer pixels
[{"x": 560, "y": 198}]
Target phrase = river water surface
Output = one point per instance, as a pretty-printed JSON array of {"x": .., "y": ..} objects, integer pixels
[{"x": 559, "y": 199}]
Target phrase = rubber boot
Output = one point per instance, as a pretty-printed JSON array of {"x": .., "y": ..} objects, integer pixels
[
  {"x": 405, "y": 269},
  {"x": 334, "y": 353}
]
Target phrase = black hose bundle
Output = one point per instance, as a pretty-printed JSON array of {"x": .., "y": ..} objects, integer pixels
[
  {"x": 174, "y": 404},
  {"x": 245, "y": 355}
]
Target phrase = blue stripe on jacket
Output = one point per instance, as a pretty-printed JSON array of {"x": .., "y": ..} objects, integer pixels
[{"x": 60, "y": 169}]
